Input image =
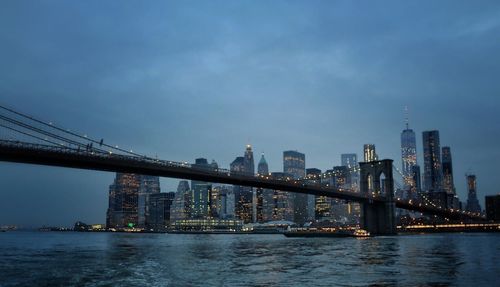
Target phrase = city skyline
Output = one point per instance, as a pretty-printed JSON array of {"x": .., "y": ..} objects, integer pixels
[{"x": 171, "y": 81}]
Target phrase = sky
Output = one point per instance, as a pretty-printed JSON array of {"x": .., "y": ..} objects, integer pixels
[{"x": 188, "y": 79}]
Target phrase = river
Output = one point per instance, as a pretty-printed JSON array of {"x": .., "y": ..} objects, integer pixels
[{"x": 120, "y": 259}]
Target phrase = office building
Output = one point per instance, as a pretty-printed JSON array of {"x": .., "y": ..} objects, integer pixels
[
  {"x": 123, "y": 201},
  {"x": 432, "y": 161},
  {"x": 408, "y": 157},
  {"x": 282, "y": 201},
  {"x": 264, "y": 197},
  {"x": 243, "y": 195},
  {"x": 350, "y": 160},
  {"x": 294, "y": 164},
  {"x": 493, "y": 207},
  {"x": 448, "y": 185},
  {"x": 200, "y": 192},
  {"x": 416, "y": 178},
  {"x": 159, "y": 210},
  {"x": 472, "y": 202},
  {"x": 369, "y": 153},
  {"x": 148, "y": 185}
]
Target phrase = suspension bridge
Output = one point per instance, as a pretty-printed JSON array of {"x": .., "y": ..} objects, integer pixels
[{"x": 26, "y": 139}]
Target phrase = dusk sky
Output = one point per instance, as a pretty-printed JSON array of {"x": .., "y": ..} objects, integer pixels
[{"x": 190, "y": 79}]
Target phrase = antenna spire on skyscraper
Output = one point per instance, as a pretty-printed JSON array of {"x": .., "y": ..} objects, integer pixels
[{"x": 407, "y": 120}]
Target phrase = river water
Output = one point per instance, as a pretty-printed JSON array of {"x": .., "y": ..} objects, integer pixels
[{"x": 118, "y": 259}]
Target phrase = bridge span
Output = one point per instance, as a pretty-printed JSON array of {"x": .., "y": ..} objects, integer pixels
[
  {"x": 93, "y": 159},
  {"x": 37, "y": 142}
]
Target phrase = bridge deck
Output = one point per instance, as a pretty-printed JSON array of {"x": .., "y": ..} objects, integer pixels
[{"x": 21, "y": 152}]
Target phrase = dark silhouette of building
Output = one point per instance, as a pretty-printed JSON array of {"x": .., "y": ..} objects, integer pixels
[
  {"x": 472, "y": 202},
  {"x": 493, "y": 207},
  {"x": 448, "y": 184},
  {"x": 159, "y": 210},
  {"x": 432, "y": 161},
  {"x": 417, "y": 188}
]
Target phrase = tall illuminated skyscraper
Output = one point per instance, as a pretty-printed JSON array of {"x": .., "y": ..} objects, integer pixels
[
  {"x": 432, "y": 161},
  {"x": 294, "y": 163},
  {"x": 123, "y": 201},
  {"x": 408, "y": 156},
  {"x": 245, "y": 208},
  {"x": 448, "y": 184}
]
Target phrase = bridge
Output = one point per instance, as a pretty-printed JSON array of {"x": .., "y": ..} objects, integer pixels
[{"x": 25, "y": 139}]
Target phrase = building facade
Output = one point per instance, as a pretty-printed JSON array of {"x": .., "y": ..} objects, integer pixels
[
  {"x": 264, "y": 197},
  {"x": 243, "y": 195},
  {"x": 148, "y": 185},
  {"x": 369, "y": 153},
  {"x": 159, "y": 210},
  {"x": 408, "y": 157},
  {"x": 432, "y": 161},
  {"x": 200, "y": 192},
  {"x": 472, "y": 202},
  {"x": 350, "y": 160},
  {"x": 294, "y": 164},
  {"x": 448, "y": 184},
  {"x": 493, "y": 207},
  {"x": 123, "y": 201}
]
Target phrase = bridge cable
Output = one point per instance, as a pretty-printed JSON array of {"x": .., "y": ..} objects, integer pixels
[{"x": 71, "y": 133}]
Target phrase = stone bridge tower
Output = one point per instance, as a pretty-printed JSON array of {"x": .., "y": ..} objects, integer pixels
[{"x": 376, "y": 179}]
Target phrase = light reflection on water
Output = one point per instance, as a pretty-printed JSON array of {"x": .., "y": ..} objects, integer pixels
[{"x": 110, "y": 259}]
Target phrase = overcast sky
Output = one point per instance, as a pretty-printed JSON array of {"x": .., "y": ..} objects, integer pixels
[{"x": 192, "y": 79}]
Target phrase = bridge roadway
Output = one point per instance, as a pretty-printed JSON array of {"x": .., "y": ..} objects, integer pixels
[{"x": 22, "y": 152}]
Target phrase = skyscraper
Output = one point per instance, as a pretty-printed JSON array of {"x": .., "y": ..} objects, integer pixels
[
  {"x": 264, "y": 197},
  {"x": 227, "y": 204},
  {"x": 282, "y": 201},
  {"x": 432, "y": 161},
  {"x": 243, "y": 195},
  {"x": 350, "y": 160},
  {"x": 448, "y": 184},
  {"x": 123, "y": 201},
  {"x": 262, "y": 168},
  {"x": 249, "y": 168},
  {"x": 148, "y": 185},
  {"x": 200, "y": 192},
  {"x": 472, "y": 202},
  {"x": 492, "y": 207},
  {"x": 408, "y": 156},
  {"x": 322, "y": 204},
  {"x": 416, "y": 175},
  {"x": 159, "y": 207},
  {"x": 294, "y": 164},
  {"x": 248, "y": 162},
  {"x": 369, "y": 153},
  {"x": 181, "y": 208}
]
